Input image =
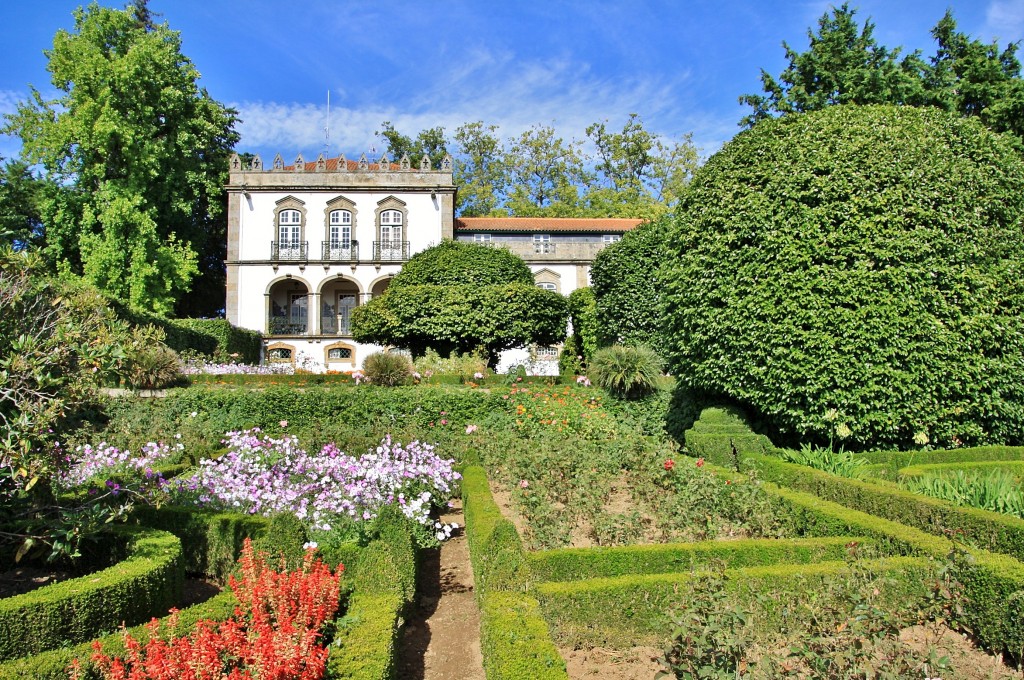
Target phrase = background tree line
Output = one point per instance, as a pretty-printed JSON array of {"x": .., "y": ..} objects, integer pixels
[{"x": 120, "y": 177}]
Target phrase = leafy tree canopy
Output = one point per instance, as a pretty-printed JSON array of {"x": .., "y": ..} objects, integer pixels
[
  {"x": 137, "y": 151},
  {"x": 856, "y": 266},
  {"x": 460, "y": 297},
  {"x": 20, "y": 195},
  {"x": 634, "y": 173},
  {"x": 844, "y": 64},
  {"x": 431, "y": 143},
  {"x": 457, "y": 263},
  {"x": 626, "y": 292}
]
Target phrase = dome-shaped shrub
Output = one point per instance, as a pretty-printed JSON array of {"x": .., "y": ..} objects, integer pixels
[{"x": 857, "y": 267}]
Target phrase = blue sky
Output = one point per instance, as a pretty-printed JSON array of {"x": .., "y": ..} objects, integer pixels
[{"x": 680, "y": 65}]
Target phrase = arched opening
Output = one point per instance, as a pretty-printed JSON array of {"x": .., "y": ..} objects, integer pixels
[
  {"x": 337, "y": 300},
  {"x": 288, "y": 308}
]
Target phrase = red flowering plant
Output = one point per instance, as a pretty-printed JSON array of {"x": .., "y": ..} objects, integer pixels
[{"x": 274, "y": 633}]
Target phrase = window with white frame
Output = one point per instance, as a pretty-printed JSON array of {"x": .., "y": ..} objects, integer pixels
[
  {"x": 340, "y": 226},
  {"x": 482, "y": 238},
  {"x": 546, "y": 353},
  {"x": 289, "y": 229},
  {"x": 547, "y": 285},
  {"x": 391, "y": 226},
  {"x": 542, "y": 243},
  {"x": 611, "y": 238}
]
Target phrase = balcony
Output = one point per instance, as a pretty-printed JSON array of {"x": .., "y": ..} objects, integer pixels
[
  {"x": 336, "y": 324},
  {"x": 293, "y": 251},
  {"x": 283, "y": 326},
  {"x": 390, "y": 251},
  {"x": 340, "y": 251}
]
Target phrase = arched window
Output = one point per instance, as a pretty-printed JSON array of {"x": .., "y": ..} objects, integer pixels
[
  {"x": 392, "y": 230},
  {"x": 290, "y": 223},
  {"x": 391, "y": 225},
  {"x": 547, "y": 285},
  {"x": 340, "y": 228}
]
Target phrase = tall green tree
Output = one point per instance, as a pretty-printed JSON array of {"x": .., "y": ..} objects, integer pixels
[
  {"x": 546, "y": 174},
  {"x": 976, "y": 79},
  {"x": 461, "y": 297},
  {"x": 140, "y": 150},
  {"x": 430, "y": 142},
  {"x": 480, "y": 171},
  {"x": 20, "y": 195},
  {"x": 639, "y": 174},
  {"x": 844, "y": 65}
]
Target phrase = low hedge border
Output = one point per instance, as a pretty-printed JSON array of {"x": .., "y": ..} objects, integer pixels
[
  {"x": 902, "y": 522},
  {"x": 383, "y": 578},
  {"x": 211, "y": 540},
  {"x": 146, "y": 583},
  {"x": 642, "y": 603},
  {"x": 282, "y": 534},
  {"x": 1015, "y": 467},
  {"x": 514, "y": 637},
  {"x": 54, "y": 664},
  {"x": 989, "y": 530},
  {"x": 574, "y": 564}
]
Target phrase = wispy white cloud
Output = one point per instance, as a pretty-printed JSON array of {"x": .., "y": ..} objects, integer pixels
[
  {"x": 9, "y": 146},
  {"x": 1004, "y": 20},
  {"x": 488, "y": 85}
]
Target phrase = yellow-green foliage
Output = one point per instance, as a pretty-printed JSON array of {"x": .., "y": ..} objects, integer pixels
[
  {"x": 364, "y": 647},
  {"x": 514, "y": 639},
  {"x": 571, "y": 564},
  {"x": 211, "y": 540},
  {"x": 579, "y": 610},
  {"x": 131, "y": 591}
]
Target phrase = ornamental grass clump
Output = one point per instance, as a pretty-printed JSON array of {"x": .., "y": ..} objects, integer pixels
[
  {"x": 626, "y": 372},
  {"x": 388, "y": 369}
]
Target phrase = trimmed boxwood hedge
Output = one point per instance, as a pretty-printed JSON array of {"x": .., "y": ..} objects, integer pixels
[
  {"x": 514, "y": 638},
  {"x": 146, "y": 583},
  {"x": 861, "y": 260},
  {"x": 823, "y": 504},
  {"x": 642, "y": 603},
  {"x": 573, "y": 564}
]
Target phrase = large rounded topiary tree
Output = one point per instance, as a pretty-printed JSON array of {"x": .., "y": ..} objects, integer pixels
[
  {"x": 860, "y": 268},
  {"x": 459, "y": 297}
]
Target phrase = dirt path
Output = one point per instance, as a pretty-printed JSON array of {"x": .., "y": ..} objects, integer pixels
[{"x": 441, "y": 639}]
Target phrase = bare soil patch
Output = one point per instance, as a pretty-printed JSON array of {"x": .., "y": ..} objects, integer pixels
[
  {"x": 967, "y": 660},
  {"x": 638, "y": 663}
]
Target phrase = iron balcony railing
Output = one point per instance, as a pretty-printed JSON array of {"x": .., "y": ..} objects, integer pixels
[
  {"x": 340, "y": 251},
  {"x": 279, "y": 325},
  {"x": 336, "y": 324},
  {"x": 396, "y": 251},
  {"x": 289, "y": 250}
]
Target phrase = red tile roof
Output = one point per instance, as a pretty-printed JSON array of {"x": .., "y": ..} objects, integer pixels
[{"x": 601, "y": 225}]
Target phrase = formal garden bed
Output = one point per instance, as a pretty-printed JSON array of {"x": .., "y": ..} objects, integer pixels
[{"x": 599, "y": 512}]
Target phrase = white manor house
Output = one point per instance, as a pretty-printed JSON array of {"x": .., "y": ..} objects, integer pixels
[{"x": 310, "y": 241}]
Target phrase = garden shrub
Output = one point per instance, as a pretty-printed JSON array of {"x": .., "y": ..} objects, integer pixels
[
  {"x": 626, "y": 372},
  {"x": 388, "y": 369},
  {"x": 144, "y": 584},
  {"x": 858, "y": 260},
  {"x": 211, "y": 541},
  {"x": 458, "y": 263},
  {"x": 514, "y": 637},
  {"x": 583, "y": 317},
  {"x": 625, "y": 290},
  {"x": 54, "y": 664},
  {"x": 239, "y": 344},
  {"x": 578, "y": 610}
]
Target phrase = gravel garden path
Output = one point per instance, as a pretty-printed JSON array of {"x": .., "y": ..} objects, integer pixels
[{"x": 441, "y": 638}]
